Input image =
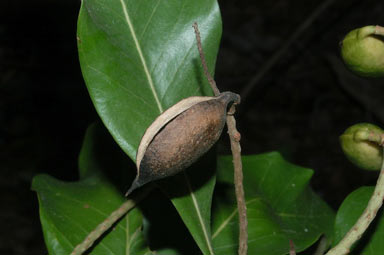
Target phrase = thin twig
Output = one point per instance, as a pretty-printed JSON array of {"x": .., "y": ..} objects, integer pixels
[
  {"x": 211, "y": 81},
  {"x": 234, "y": 136},
  {"x": 109, "y": 221},
  {"x": 355, "y": 233},
  {"x": 284, "y": 47},
  {"x": 292, "y": 250}
]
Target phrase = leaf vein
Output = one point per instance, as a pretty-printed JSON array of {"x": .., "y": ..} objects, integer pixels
[
  {"x": 168, "y": 38},
  {"x": 177, "y": 71},
  {"x": 143, "y": 61},
  {"x": 109, "y": 80},
  {"x": 150, "y": 19},
  {"x": 127, "y": 236},
  {"x": 197, "y": 207}
]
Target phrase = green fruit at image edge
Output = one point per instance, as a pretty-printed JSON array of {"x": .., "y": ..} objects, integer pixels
[
  {"x": 364, "y": 154},
  {"x": 363, "y": 51}
]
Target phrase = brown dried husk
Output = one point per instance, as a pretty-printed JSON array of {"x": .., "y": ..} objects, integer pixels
[{"x": 180, "y": 135}]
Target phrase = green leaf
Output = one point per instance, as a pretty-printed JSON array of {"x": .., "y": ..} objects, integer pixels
[
  {"x": 138, "y": 58},
  {"x": 280, "y": 207},
  {"x": 347, "y": 215},
  {"x": 69, "y": 211},
  {"x": 191, "y": 194}
]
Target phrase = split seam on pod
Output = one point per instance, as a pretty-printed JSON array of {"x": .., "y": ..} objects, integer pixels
[
  {"x": 362, "y": 145},
  {"x": 180, "y": 135}
]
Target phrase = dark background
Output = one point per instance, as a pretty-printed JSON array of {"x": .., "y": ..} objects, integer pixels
[{"x": 300, "y": 106}]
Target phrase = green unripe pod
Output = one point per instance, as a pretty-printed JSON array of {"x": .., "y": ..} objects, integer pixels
[
  {"x": 363, "y": 51},
  {"x": 362, "y": 144}
]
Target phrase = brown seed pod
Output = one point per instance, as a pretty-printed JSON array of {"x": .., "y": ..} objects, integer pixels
[{"x": 179, "y": 136}]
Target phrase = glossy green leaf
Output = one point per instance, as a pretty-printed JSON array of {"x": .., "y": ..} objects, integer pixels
[
  {"x": 280, "y": 205},
  {"x": 347, "y": 215},
  {"x": 69, "y": 211},
  {"x": 138, "y": 58},
  {"x": 198, "y": 183}
]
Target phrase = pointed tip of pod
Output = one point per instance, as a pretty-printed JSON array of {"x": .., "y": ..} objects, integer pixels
[
  {"x": 135, "y": 184},
  {"x": 143, "y": 177}
]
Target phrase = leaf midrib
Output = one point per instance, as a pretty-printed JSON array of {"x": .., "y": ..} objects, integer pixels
[
  {"x": 150, "y": 81},
  {"x": 200, "y": 217},
  {"x": 142, "y": 59}
]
